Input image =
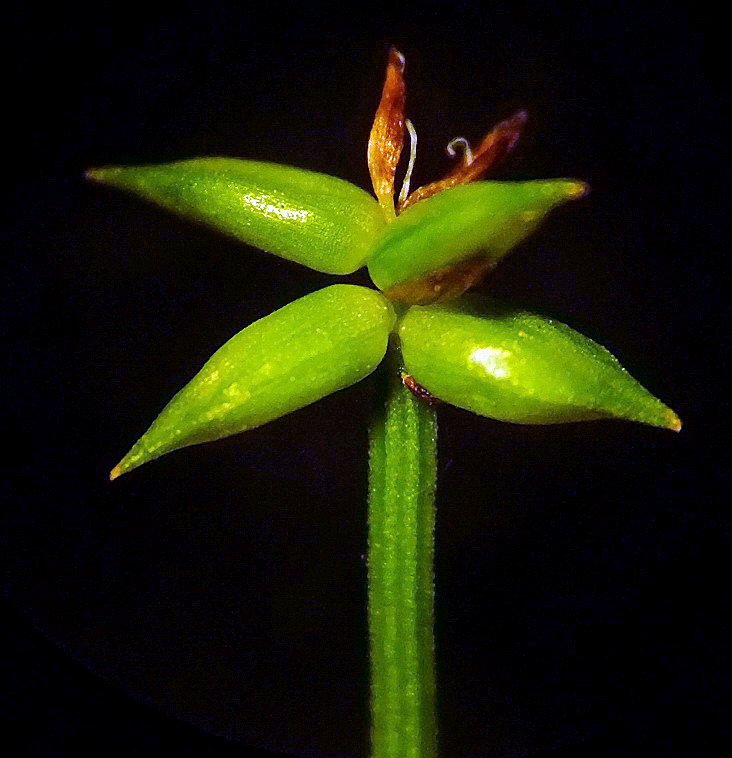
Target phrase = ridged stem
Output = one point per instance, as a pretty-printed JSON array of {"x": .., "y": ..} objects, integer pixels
[{"x": 402, "y": 472}]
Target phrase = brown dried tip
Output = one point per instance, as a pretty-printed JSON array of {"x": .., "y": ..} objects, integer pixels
[
  {"x": 418, "y": 390},
  {"x": 496, "y": 145},
  {"x": 387, "y": 133}
]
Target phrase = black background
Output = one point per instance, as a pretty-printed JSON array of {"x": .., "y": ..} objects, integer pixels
[{"x": 217, "y": 597}]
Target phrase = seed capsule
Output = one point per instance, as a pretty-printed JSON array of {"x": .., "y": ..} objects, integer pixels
[
  {"x": 438, "y": 246},
  {"x": 312, "y": 347},
  {"x": 320, "y": 221},
  {"x": 515, "y": 366}
]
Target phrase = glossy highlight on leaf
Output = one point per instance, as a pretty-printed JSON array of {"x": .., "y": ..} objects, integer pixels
[
  {"x": 511, "y": 365},
  {"x": 320, "y": 221},
  {"x": 306, "y": 350},
  {"x": 481, "y": 221}
]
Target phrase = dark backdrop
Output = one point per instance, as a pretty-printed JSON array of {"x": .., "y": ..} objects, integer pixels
[{"x": 217, "y": 597}]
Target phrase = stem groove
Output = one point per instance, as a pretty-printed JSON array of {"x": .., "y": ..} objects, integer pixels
[{"x": 402, "y": 475}]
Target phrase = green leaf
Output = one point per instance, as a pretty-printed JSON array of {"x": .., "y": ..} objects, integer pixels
[
  {"x": 482, "y": 221},
  {"x": 307, "y": 350},
  {"x": 516, "y": 366},
  {"x": 314, "y": 219}
]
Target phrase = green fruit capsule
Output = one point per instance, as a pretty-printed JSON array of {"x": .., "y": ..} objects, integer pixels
[
  {"x": 312, "y": 347},
  {"x": 515, "y": 366},
  {"x": 320, "y": 221},
  {"x": 420, "y": 256}
]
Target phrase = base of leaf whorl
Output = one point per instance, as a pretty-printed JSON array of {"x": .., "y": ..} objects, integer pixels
[{"x": 445, "y": 284}]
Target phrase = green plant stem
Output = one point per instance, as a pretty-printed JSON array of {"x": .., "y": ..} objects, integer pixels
[{"x": 402, "y": 473}]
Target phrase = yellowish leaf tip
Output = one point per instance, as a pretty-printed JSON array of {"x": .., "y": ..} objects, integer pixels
[
  {"x": 102, "y": 173},
  {"x": 674, "y": 422},
  {"x": 115, "y": 472},
  {"x": 578, "y": 189}
]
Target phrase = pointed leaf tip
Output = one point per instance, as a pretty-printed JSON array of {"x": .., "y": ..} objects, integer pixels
[
  {"x": 115, "y": 472},
  {"x": 577, "y": 189},
  {"x": 101, "y": 174},
  {"x": 674, "y": 422}
]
